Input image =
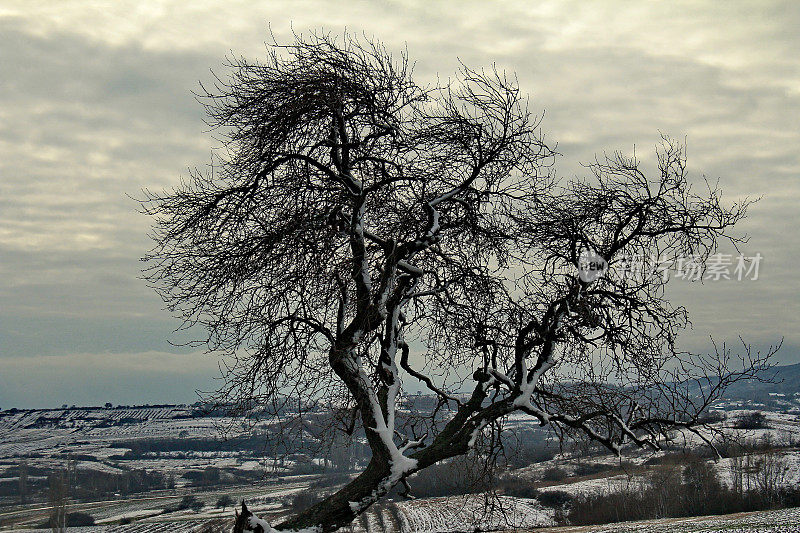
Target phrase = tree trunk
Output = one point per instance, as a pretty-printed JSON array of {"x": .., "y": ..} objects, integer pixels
[
  {"x": 342, "y": 507},
  {"x": 335, "y": 511}
]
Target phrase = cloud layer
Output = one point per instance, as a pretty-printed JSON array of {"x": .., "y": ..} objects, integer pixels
[{"x": 97, "y": 105}]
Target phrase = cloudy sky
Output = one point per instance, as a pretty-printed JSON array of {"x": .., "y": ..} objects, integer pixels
[{"x": 96, "y": 104}]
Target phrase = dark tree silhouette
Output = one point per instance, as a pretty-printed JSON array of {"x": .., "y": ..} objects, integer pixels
[
  {"x": 362, "y": 230},
  {"x": 224, "y": 501}
]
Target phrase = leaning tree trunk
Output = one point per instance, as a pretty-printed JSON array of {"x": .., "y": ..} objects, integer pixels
[
  {"x": 336, "y": 510},
  {"x": 456, "y": 438}
]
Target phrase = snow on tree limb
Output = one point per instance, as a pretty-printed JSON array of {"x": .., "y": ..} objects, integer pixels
[{"x": 359, "y": 217}]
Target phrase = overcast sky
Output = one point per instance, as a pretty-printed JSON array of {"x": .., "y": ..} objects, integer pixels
[{"x": 96, "y": 104}]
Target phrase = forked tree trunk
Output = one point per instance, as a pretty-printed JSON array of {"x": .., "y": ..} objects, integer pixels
[
  {"x": 455, "y": 439},
  {"x": 342, "y": 507},
  {"x": 335, "y": 511}
]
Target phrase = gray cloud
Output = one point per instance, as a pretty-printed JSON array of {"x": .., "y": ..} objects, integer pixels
[
  {"x": 95, "y": 378},
  {"x": 97, "y": 106}
]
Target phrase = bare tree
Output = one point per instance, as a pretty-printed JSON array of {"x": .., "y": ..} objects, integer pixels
[
  {"x": 23, "y": 481},
  {"x": 224, "y": 501},
  {"x": 58, "y": 494},
  {"x": 363, "y": 230}
]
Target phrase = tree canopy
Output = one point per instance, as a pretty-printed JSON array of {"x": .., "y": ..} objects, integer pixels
[{"x": 361, "y": 232}]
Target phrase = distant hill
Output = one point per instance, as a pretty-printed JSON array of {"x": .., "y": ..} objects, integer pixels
[{"x": 780, "y": 391}]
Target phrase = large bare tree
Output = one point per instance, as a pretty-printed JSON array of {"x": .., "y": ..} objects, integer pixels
[{"x": 360, "y": 231}]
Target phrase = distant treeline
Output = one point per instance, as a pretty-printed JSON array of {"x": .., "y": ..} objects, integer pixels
[{"x": 256, "y": 445}]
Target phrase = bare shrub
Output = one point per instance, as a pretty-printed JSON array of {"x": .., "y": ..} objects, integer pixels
[
  {"x": 300, "y": 501},
  {"x": 675, "y": 490},
  {"x": 713, "y": 416},
  {"x": 554, "y": 498},
  {"x": 554, "y": 473},
  {"x": 753, "y": 420},
  {"x": 701, "y": 488},
  {"x": 454, "y": 477},
  {"x": 771, "y": 469},
  {"x": 224, "y": 501},
  {"x": 629, "y": 504},
  {"x": 519, "y": 488}
]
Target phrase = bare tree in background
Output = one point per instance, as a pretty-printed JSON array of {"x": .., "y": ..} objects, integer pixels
[
  {"x": 58, "y": 495},
  {"x": 23, "y": 481},
  {"x": 362, "y": 230}
]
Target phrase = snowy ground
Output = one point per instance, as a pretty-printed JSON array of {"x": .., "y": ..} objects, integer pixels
[
  {"x": 466, "y": 513},
  {"x": 29, "y": 435},
  {"x": 149, "y": 509},
  {"x": 778, "y": 521},
  {"x": 630, "y": 471}
]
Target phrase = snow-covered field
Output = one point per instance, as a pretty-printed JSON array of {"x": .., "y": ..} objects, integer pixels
[
  {"x": 471, "y": 512},
  {"x": 94, "y": 436},
  {"x": 777, "y": 521},
  {"x": 90, "y": 431},
  {"x": 630, "y": 471}
]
